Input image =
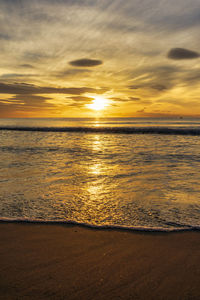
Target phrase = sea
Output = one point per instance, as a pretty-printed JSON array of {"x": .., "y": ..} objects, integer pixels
[{"x": 134, "y": 173}]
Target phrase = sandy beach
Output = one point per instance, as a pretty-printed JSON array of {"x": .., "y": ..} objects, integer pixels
[{"x": 71, "y": 262}]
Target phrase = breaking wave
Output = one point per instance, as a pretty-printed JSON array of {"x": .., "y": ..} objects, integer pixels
[
  {"x": 178, "y": 228},
  {"x": 110, "y": 130}
]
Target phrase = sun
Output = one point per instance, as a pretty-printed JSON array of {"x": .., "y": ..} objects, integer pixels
[{"x": 98, "y": 103}]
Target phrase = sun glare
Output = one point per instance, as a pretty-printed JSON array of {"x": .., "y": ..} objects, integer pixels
[{"x": 98, "y": 103}]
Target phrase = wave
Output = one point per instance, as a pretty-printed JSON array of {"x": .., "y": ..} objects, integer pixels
[
  {"x": 101, "y": 227},
  {"x": 110, "y": 130}
]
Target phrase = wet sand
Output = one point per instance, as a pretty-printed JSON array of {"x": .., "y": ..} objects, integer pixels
[{"x": 71, "y": 262}]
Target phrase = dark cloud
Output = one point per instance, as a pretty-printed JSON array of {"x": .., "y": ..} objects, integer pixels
[
  {"x": 31, "y": 100},
  {"x": 133, "y": 87},
  {"x": 181, "y": 53},
  {"x": 159, "y": 87},
  {"x": 81, "y": 98},
  {"x": 191, "y": 77},
  {"x": 5, "y": 37},
  {"x": 78, "y": 101},
  {"x": 86, "y": 62},
  {"x": 164, "y": 69},
  {"x": 76, "y": 105},
  {"x": 158, "y": 79},
  {"x": 141, "y": 110},
  {"x": 134, "y": 99},
  {"x": 101, "y": 90},
  {"x": 29, "y": 89},
  {"x": 28, "y": 66},
  {"x": 24, "y": 104},
  {"x": 117, "y": 101},
  {"x": 126, "y": 99},
  {"x": 155, "y": 86},
  {"x": 28, "y": 100},
  {"x": 15, "y": 75}
]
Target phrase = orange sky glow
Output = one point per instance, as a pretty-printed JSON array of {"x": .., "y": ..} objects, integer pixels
[{"x": 99, "y": 58}]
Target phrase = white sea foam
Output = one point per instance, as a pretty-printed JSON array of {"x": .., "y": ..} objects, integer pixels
[{"x": 88, "y": 225}]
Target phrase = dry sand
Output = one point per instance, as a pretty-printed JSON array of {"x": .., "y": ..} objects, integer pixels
[{"x": 71, "y": 262}]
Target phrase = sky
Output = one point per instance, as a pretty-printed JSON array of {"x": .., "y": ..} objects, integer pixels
[{"x": 119, "y": 58}]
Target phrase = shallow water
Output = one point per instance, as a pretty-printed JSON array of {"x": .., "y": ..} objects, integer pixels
[{"x": 103, "y": 179}]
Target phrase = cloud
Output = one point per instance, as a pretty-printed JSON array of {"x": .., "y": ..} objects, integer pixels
[
  {"x": 68, "y": 41},
  {"x": 81, "y": 98},
  {"x": 181, "y": 53},
  {"x": 191, "y": 77},
  {"x": 125, "y": 99},
  {"x": 16, "y": 75},
  {"x": 72, "y": 72},
  {"x": 134, "y": 87},
  {"x": 29, "y": 89},
  {"x": 159, "y": 87},
  {"x": 4, "y": 37},
  {"x": 28, "y": 66},
  {"x": 79, "y": 101},
  {"x": 134, "y": 99},
  {"x": 25, "y": 103},
  {"x": 31, "y": 100},
  {"x": 35, "y": 56},
  {"x": 152, "y": 85},
  {"x": 27, "y": 100},
  {"x": 118, "y": 101},
  {"x": 86, "y": 62},
  {"x": 156, "y": 79},
  {"x": 141, "y": 110}
]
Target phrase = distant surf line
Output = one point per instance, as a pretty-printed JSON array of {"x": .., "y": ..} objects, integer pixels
[{"x": 110, "y": 130}]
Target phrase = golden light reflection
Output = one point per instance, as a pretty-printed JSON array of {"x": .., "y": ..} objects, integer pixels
[
  {"x": 99, "y": 103},
  {"x": 95, "y": 169},
  {"x": 98, "y": 171},
  {"x": 97, "y": 143},
  {"x": 96, "y": 123},
  {"x": 95, "y": 192}
]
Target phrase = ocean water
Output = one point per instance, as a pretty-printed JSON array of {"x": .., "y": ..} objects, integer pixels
[{"x": 134, "y": 173}]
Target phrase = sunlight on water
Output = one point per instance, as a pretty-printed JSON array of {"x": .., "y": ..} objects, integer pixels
[{"x": 101, "y": 179}]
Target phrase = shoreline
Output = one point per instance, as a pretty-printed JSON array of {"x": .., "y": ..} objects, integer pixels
[
  {"x": 144, "y": 229},
  {"x": 66, "y": 261}
]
